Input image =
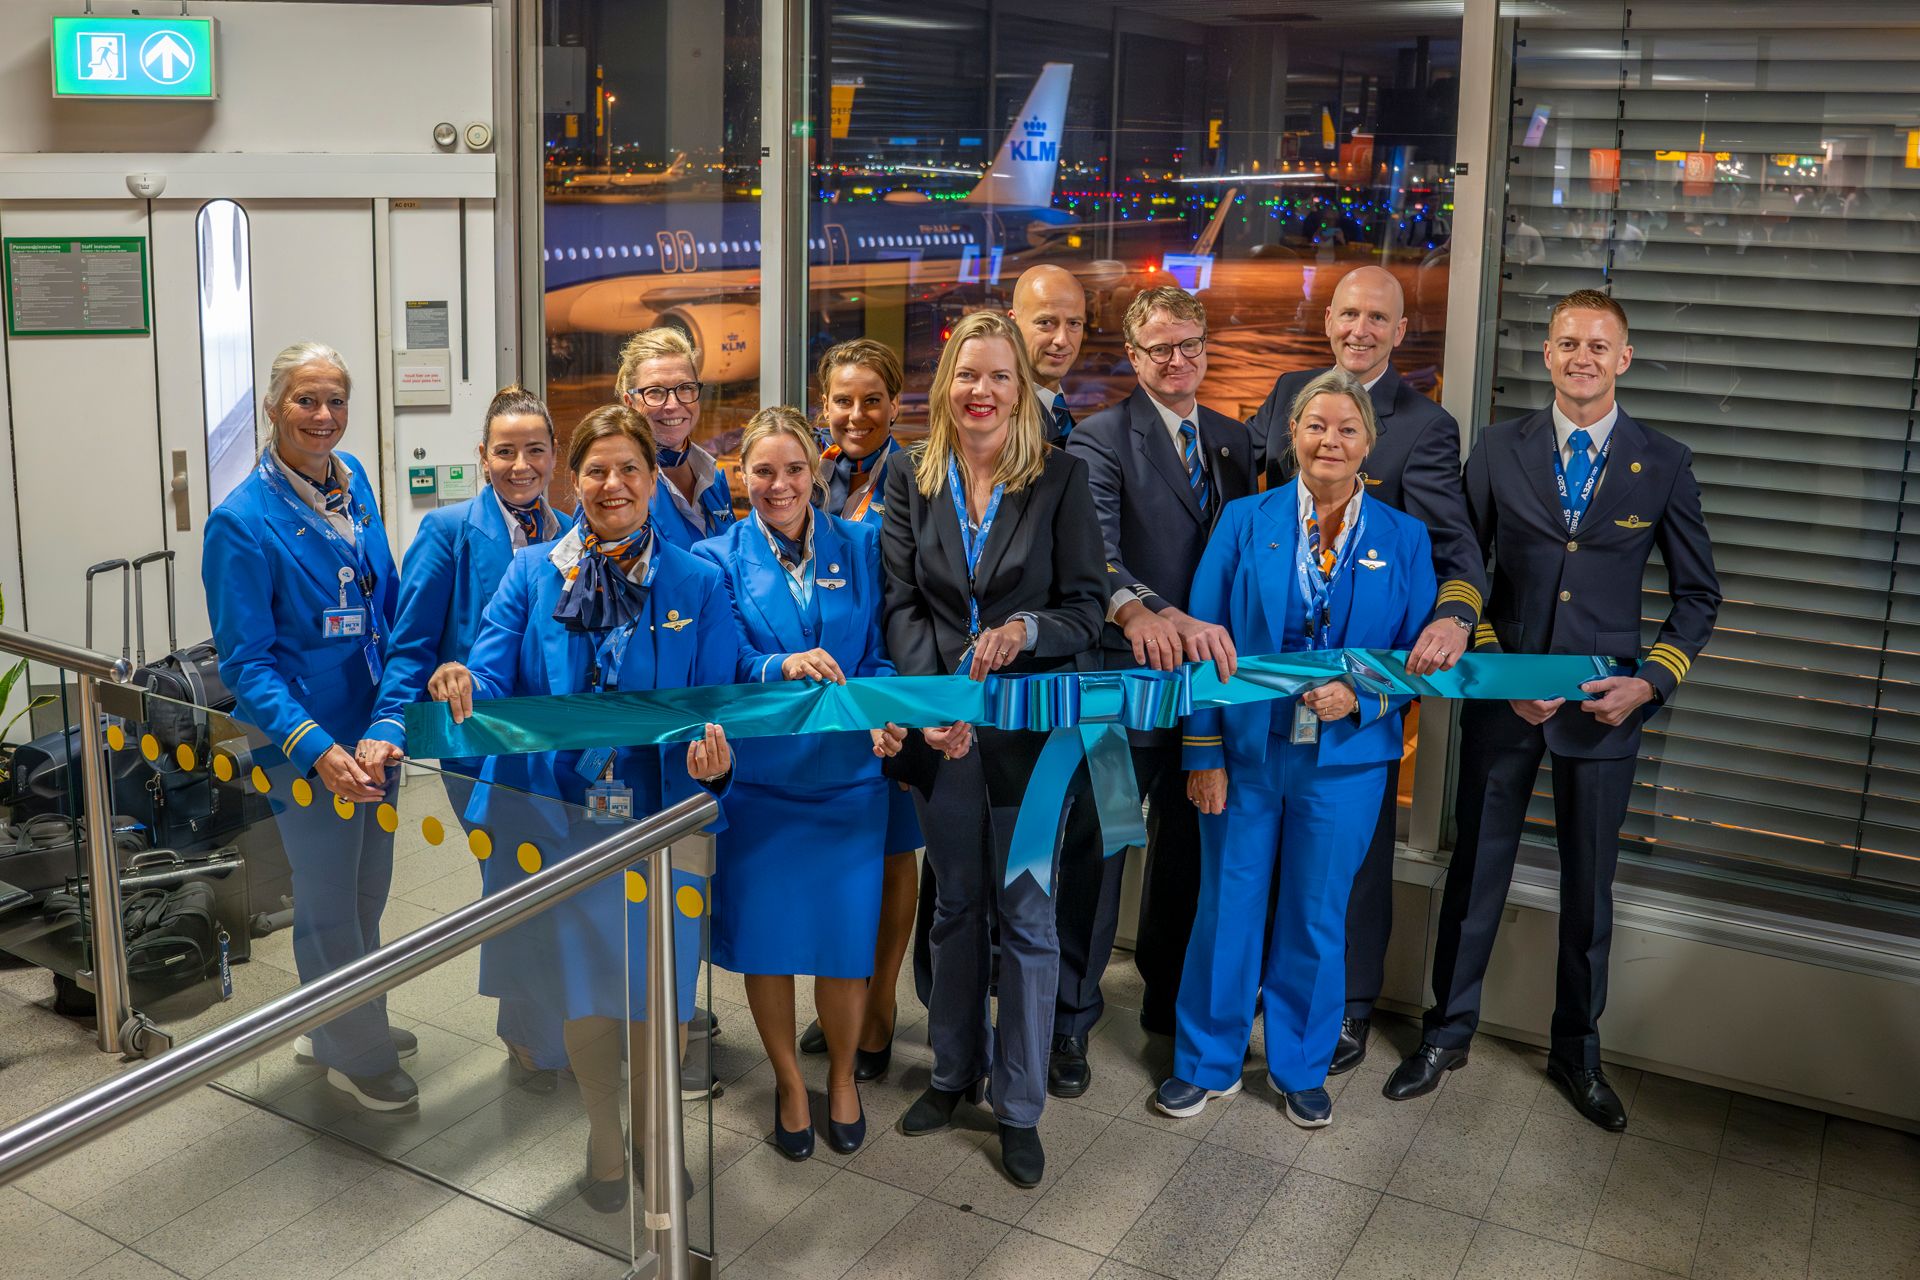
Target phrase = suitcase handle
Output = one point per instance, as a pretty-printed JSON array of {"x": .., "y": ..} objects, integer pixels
[
  {"x": 126, "y": 610},
  {"x": 140, "y": 605},
  {"x": 155, "y": 857}
]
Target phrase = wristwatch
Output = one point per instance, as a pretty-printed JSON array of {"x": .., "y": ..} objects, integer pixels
[{"x": 1464, "y": 624}]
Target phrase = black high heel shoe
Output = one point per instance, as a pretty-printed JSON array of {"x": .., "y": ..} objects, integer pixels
[
  {"x": 871, "y": 1066},
  {"x": 795, "y": 1144},
  {"x": 603, "y": 1195},
  {"x": 846, "y": 1138}
]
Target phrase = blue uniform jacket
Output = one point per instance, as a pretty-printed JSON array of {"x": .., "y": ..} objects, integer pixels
[
  {"x": 1247, "y": 577},
  {"x": 715, "y": 501},
  {"x": 453, "y": 567},
  {"x": 1583, "y": 594},
  {"x": 686, "y": 638},
  {"x": 270, "y": 573},
  {"x": 845, "y": 621},
  {"x": 873, "y": 501}
]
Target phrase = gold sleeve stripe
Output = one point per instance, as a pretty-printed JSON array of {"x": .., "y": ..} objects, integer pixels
[
  {"x": 1214, "y": 741},
  {"x": 1668, "y": 663},
  {"x": 1673, "y": 655},
  {"x": 1458, "y": 589},
  {"x": 293, "y": 739},
  {"x": 1483, "y": 634}
]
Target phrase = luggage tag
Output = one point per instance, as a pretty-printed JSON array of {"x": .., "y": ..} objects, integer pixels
[
  {"x": 343, "y": 622},
  {"x": 226, "y": 970},
  {"x": 1306, "y": 726}
]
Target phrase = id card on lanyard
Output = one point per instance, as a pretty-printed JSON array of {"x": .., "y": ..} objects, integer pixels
[
  {"x": 343, "y": 621},
  {"x": 1573, "y": 506},
  {"x": 1317, "y": 591},
  {"x": 972, "y": 543},
  {"x": 607, "y": 799}
]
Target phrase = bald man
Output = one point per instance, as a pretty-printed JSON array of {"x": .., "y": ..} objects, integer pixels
[
  {"x": 1415, "y": 466},
  {"x": 1050, "y": 308}
]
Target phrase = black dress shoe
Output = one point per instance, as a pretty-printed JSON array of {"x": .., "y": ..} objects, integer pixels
[
  {"x": 1021, "y": 1157},
  {"x": 846, "y": 1138},
  {"x": 1591, "y": 1095},
  {"x": 794, "y": 1144},
  {"x": 933, "y": 1110},
  {"x": 871, "y": 1064},
  {"x": 603, "y": 1195},
  {"x": 1352, "y": 1049},
  {"x": 1421, "y": 1071},
  {"x": 1068, "y": 1074},
  {"x": 813, "y": 1039}
]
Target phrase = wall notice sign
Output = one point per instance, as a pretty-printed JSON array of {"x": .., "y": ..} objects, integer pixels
[
  {"x": 101, "y": 56},
  {"x": 422, "y": 377},
  {"x": 59, "y": 285},
  {"x": 428, "y": 326}
]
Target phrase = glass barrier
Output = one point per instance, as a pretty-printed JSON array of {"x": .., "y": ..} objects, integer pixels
[{"x": 505, "y": 1072}]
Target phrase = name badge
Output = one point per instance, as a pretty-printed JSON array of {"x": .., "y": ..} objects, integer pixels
[
  {"x": 1306, "y": 726},
  {"x": 337, "y": 624},
  {"x": 609, "y": 802}
]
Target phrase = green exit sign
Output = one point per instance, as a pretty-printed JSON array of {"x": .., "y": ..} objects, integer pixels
[{"x": 131, "y": 57}]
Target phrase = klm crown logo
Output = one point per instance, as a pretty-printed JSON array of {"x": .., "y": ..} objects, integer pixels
[
  {"x": 1036, "y": 146},
  {"x": 734, "y": 344}
]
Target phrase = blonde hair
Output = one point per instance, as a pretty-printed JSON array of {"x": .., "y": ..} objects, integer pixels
[
  {"x": 783, "y": 420},
  {"x": 1170, "y": 298},
  {"x": 290, "y": 359},
  {"x": 1024, "y": 455},
  {"x": 1335, "y": 382},
  {"x": 649, "y": 344}
]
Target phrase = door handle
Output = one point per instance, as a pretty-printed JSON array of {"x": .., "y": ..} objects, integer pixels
[{"x": 177, "y": 486}]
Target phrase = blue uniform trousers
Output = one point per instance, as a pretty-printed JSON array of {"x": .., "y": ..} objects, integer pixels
[
  {"x": 1309, "y": 823},
  {"x": 342, "y": 869}
]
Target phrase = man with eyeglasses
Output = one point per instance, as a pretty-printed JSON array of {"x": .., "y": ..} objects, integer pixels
[
  {"x": 1415, "y": 466},
  {"x": 1161, "y": 467},
  {"x": 1050, "y": 308},
  {"x": 659, "y": 379}
]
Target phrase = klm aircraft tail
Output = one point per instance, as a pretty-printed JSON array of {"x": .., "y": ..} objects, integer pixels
[{"x": 1022, "y": 174}]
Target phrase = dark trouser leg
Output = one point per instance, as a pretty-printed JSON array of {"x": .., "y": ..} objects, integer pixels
[
  {"x": 958, "y": 873},
  {"x": 1172, "y": 892},
  {"x": 1087, "y": 907},
  {"x": 1370, "y": 907},
  {"x": 1590, "y": 805},
  {"x": 923, "y": 919},
  {"x": 1499, "y": 757}
]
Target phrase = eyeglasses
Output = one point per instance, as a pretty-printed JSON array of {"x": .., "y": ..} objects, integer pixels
[
  {"x": 685, "y": 393},
  {"x": 1162, "y": 352}
]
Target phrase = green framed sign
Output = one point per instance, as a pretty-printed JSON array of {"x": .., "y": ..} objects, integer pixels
[
  {"x": 64, "y": 286},
  {"x": 99, "y": 56}
]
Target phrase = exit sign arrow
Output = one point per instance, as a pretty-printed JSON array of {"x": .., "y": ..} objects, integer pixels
[{"x": 166, "y": 57}]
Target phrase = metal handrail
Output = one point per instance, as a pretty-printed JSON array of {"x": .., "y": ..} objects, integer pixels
[
  {"x": 59, "y": 1129},
  {"x": 59, "y": 653}
]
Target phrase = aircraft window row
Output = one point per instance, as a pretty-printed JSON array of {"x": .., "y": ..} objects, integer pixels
[
  {"x": 899, "y": 242},
  {"x": 592, "y": 252}
]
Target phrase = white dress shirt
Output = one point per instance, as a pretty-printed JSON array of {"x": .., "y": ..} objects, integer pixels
[
  {"x": 340, "y": 522},
  {"x": 1563, "y": 427}
]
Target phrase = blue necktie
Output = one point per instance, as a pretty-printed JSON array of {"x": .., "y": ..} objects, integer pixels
[
  {"x": 1062, "y": 420},
  {"x": 1579, "y": 465},
  {"x": 1196, "y": 474}
]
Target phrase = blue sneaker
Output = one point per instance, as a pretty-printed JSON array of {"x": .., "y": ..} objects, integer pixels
[
  {"x": 1178, "y": 1099},
  {"x": 1308, "y": 1108}
]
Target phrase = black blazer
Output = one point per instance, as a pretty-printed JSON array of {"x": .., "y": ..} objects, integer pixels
[
  {"x": 1552, "y": 594},
  {"x": 1150, "y": 525},
  {"x": 1415, "y": 466},
  {"x": 1042, "y": 557}
]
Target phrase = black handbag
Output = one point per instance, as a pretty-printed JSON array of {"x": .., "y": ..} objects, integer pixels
[{"x": 173, "y": 936}]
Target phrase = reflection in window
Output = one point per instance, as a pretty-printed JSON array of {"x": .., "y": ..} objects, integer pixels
[{"x": 226, "y": 346}]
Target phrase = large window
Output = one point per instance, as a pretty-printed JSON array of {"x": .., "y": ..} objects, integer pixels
[{"x": 1751, "y": 192}]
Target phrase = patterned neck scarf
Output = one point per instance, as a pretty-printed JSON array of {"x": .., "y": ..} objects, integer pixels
[
  {"x": 599, "y": 595},
  {"x": 332, "y": 491},
  {"x": 841, "y": 475},
  {"x": 673, "y": 457},
  {"x": 792, "y": 552},
  {"x": 532, "y": 518}
]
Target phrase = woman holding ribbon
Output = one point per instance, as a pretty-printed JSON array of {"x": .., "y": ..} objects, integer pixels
[
  {"x": 860, "y": 385},
  {"x": 796, "y": 883},
  {"x": 1292, "y": 788},
  {"x": 994, "y": 563},
  {"x": 301, "y": 590},
  {"x": 659, "y": 378},
  {"x": 453, "y": 567},
  {"x": 609, "y": 607}
]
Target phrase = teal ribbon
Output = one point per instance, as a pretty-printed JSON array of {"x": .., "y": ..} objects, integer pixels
[{"x": 1085, "y": 715}]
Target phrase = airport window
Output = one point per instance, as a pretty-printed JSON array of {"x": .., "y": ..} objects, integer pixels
[
  {"x": 226, "y": 345},
  {"x": 1748, "y": 192}
]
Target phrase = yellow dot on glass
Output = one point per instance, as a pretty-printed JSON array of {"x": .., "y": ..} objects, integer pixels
[
  {"x": 261, "y": 782},
  {"x": 689, "y": 901},
  {"x": 481, "y": 843},
  {"x": 302, "y": 792},
  {"x": 116, "y": 737},
  {"x": 529, "y": 858},
  {"x": 343, "y": 807},
  {"x": 388, "y": 817},
  {"x": 149, "y": 746},
  {"x": 636, "y": 887},
  {"x": 223, "y": 767},
  {"x": 184, "y": 754},
  {"x": 430, "y": 828}
]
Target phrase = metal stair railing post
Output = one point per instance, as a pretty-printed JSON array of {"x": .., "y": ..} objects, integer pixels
[{"x": 663, "y": 1155}]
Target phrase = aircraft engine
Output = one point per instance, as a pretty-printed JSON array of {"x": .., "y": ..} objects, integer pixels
[{"x": 727, "y": 334}]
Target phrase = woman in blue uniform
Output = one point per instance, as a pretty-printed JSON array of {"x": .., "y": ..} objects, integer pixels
[
  {"x": 659, "y": 378},
  {"x": 860, "y": 384},
  {"x": 609, "y": 606},
  {"x": 301, "y": 589},
  {"x": 453, "y": 567},
  {"x": 796, "y": 882},
  {"x": 1292, "y": 787}
]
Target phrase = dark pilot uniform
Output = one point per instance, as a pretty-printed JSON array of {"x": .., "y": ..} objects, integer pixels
[
  {"x": 1414, "y": 466},
  {"x": 1557, "y": 590}
]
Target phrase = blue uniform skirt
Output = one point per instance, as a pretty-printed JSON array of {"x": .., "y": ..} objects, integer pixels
[
  {"x": 796, "y": 880},
  {"x": 903, "y": 824}
]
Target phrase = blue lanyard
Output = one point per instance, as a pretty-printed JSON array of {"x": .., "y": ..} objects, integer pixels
[
  {"x": 610, "y": 651},
  {"x": 352, "y": 551},
  {"x": 1316, "y": 590},
  {"x": 1574, "y": 507},
  {"x": 972, "y": 541}
]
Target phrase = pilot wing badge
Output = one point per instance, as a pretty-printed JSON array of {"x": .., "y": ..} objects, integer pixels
[
  {"x": 674, "y": 621},
  {"x": 1634, "y": 522},
  {"x": 1372, "y": 560}
]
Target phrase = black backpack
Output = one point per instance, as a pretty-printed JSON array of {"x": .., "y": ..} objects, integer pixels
[{"x": 172, "y": 934}]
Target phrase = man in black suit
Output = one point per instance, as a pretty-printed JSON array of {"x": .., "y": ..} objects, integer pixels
[
  {"x": 1161, "y": 466},
  {"x": 1415, "y": 466},
  {"x": 1050, "y": 308},
  {"x": 1569, "y": 501}
]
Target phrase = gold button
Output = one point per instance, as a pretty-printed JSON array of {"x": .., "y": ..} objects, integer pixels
[
  {"x": 1573, "y": 546},
  {"x": 1565, "y": 596}
]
